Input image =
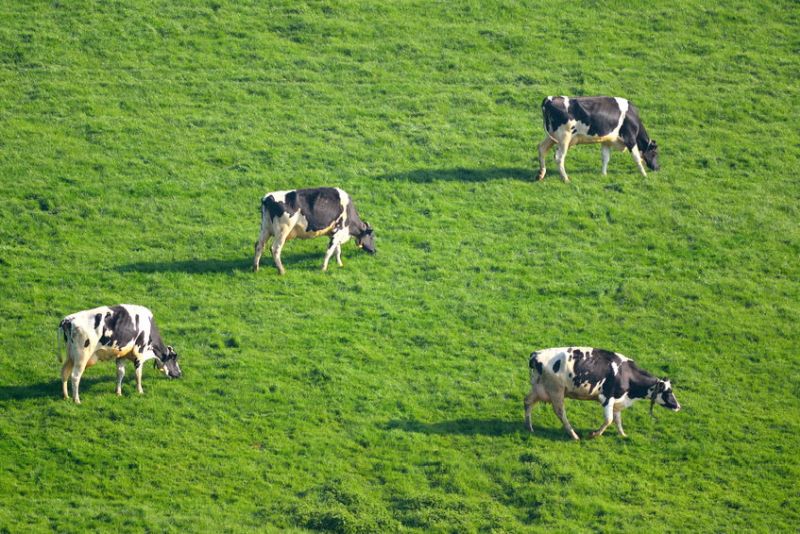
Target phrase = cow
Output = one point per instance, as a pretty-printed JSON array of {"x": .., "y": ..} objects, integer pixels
[
  {"x": 611, "y": 121},
  {"x": 122, "y": 332},
  {"x": 588, "y": 373},
  {"x": 307, "y": 213}
]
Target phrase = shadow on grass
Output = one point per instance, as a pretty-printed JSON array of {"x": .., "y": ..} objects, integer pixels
[
  {"x": 461, "y": 175},
  {"x": 475, "y": 427},
  {"x": 50, "y": 389},
  {"x": 211, "y": 266}
]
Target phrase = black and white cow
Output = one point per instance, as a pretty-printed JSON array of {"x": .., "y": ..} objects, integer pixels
[
  {"x": 592, "y": 374},
  {"x": 307, "y": 213},
  {"x": 611, "y": 121},
  {"x": 122, "y": 332}
]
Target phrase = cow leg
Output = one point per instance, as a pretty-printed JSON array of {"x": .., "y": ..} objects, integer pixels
[
  {"x": 339, "y": 256},
  {"x": 120, "y": 375},
  {"x": 277, "y": 245},
  {"x": 138, "y": 372},
  {"x": 262, "y": 241},
  {"x": 608, "y": 413},
  {"x": 563, "y": 147},
  {"x": 618, "y": 422},
  {"x": 77, "y": 372},
  {"x": 637, "y": 157},
  {"x": 66, "y": 369},
  {"x": 557, "y": 399},
  {"x": 337, "y": 239},
  {"x": 544, "y": 147},
  {"x": 605, "y": 154}
]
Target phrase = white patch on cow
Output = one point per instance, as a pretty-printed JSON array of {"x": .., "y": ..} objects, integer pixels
[{"x": 614, "y": 368}]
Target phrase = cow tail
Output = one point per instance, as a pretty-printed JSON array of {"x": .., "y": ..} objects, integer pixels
[
  {"x": 535, "y": 366},
  {"x": 61, "y": 332}
]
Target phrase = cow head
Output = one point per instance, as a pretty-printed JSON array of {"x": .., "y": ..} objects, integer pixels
[
  {"x": 650, "y": 155},
  {"x": 366, "y": 240},
  {"x": 661, "y": 394},
  {"x": 168, "y": 363}
]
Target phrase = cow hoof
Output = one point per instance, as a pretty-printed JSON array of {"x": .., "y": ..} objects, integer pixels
[{"x": 540, "y": 177}]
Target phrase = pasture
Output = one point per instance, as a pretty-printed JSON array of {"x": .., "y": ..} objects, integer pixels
[{"x": 136, "y": 139}]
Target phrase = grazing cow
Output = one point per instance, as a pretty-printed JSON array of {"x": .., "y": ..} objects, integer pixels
[
  {"x": 307, "y": 213},
  {"x": 586, "y": 373},
  {"x": 123, "y": 332},
  {"x": 610, "y": 121}
]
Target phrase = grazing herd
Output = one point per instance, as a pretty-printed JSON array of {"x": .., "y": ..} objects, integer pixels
[{"x": 129, "y": 332}]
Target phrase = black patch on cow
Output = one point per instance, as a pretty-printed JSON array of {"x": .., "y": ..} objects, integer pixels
[
  {"x": 554, "y": 113},
  {"x": 66, "y": 329},
  {"x": 557, "y": 366},
  {"x": 139, "y": 339},
  {"x": 534, "y": 363},
  {"x": 86, "y": 343},
  {"x": 320, "y": 206},
  {"x": 600, "y": 113},
  {"x": 104, "y": 339},
  {"x": 97, "y": 320},
  {"x": 594, "y": 366},
  {"x": 136, "y": 363},
  {"x": 137, "y": 321},
  {"x": 120, "y": 323}
]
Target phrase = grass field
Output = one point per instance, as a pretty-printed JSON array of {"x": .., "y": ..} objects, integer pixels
[{"x": 136, "y": 139}]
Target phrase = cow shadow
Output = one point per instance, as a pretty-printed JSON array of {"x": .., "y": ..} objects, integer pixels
[
  {"x": 461, "y": 174},
  {"x": 50, "y": 390},
  {"x": 474, "y": 427},
  {"x": 221, "y": 266}
]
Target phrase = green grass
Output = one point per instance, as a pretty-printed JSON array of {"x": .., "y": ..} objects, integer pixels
[{"x": 137, "y": 138}]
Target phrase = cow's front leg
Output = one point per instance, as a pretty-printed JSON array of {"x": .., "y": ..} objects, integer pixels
[
  {"x": 562, "y": 156},
  {"x": 337, "y": 239},
  {"x": 608, "y": 413},
  {"x": 120, "y": 375},
  {"x": 637, "y": 157},
  {"x": 339, "y": 256},
  {"x": 618, "y": 422},
  {"x": 138, "y": 372},
  {"x": 605, "y": 154},
  {"x": 544, "y": 147}
]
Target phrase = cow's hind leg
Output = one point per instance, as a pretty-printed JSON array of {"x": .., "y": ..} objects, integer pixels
[
  {"x": 563, "y": 148},
  {"x": 66, "y": 369},
  {"x": 277, "y": 245},
  {"x": 557, "y": 398},
  {"x": 608, "y": 413},
  {"x": 77, "y": 373},
  {"x": 259, "y": 247},
  {"x": 530, "y": 400},
  {"x": 544, "y": 147}
]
